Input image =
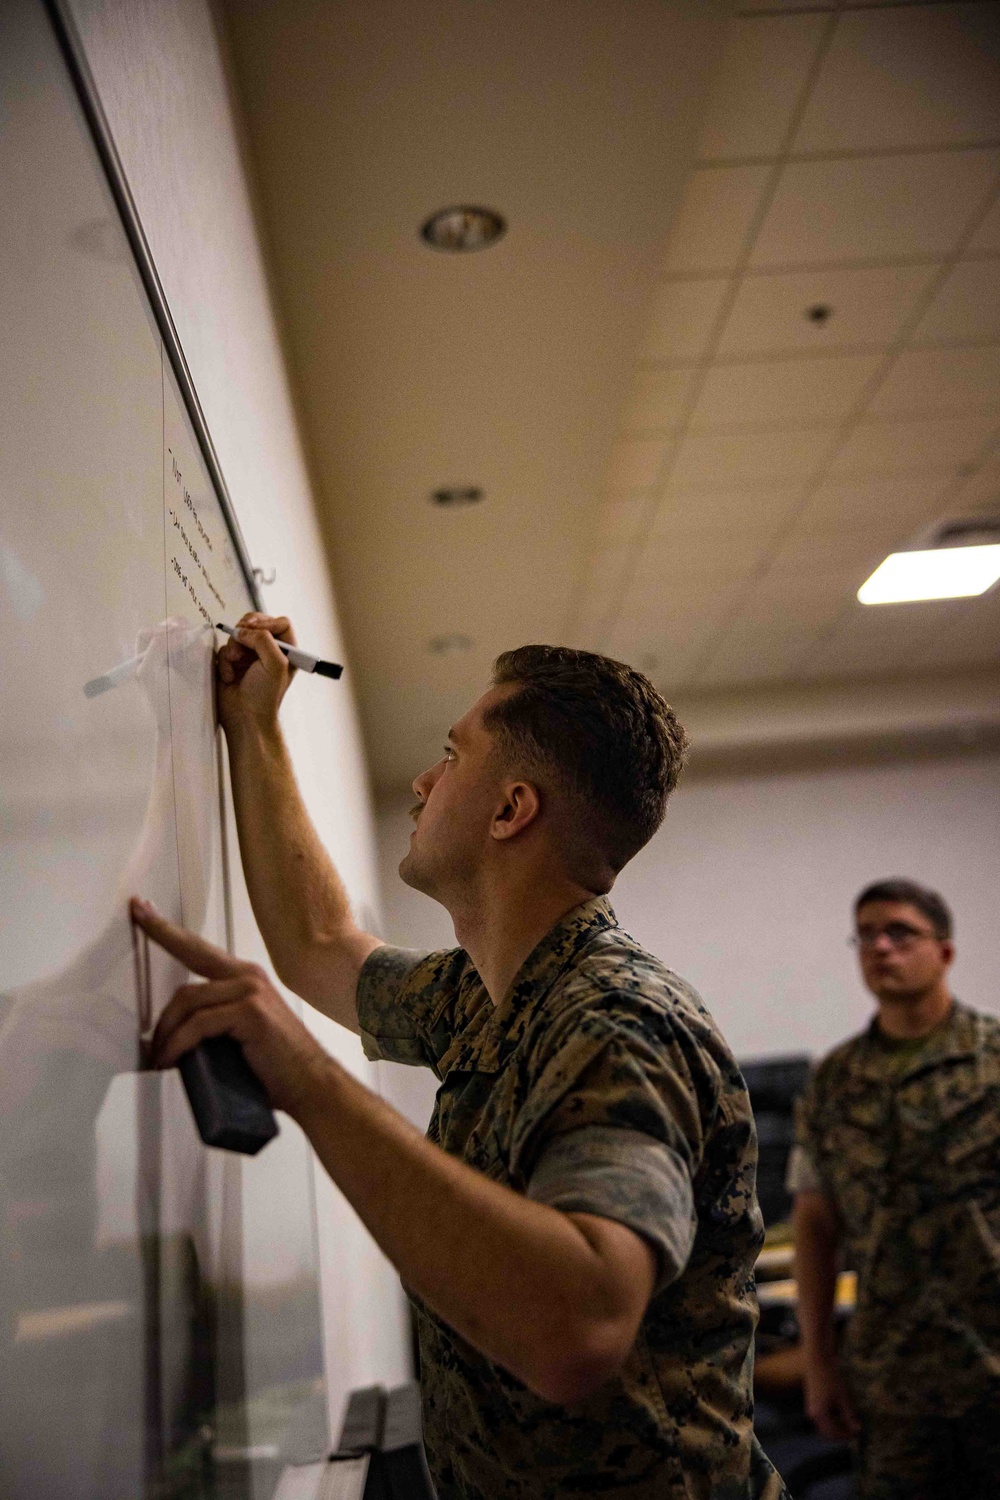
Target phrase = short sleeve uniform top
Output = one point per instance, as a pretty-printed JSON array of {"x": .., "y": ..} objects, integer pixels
[
  {"x": 598, "y": 1084},
  {"x": 905, "y": 1141}
]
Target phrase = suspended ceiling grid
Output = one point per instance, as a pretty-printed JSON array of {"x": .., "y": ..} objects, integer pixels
[
  {"x": 680, "y": 466},
  {"x": 767, "y": 462}
]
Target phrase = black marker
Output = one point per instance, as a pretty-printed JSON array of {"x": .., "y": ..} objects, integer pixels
[{"x": 304, "y": 660}]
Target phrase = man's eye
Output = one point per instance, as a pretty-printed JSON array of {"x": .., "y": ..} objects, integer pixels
[{"x": 449, "y": 753}]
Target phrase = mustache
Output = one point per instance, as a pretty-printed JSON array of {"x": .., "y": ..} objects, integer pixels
[{"x": 416, "y": 810}]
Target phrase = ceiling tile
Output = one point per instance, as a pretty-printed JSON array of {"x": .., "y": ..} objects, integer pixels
[
  {"x": 619, "y": 520},
  {"x": 885, "y": 447},
  {"x": 783, "y": 391},
  {"x": 666, "y": 652},
  {"x": 869, "y": 306},
  {"x": 738, "y": 662},
  {"x": 730, "y": 460},
  {"x": 682, "y": 558},
  {"x": 709, "y": 514},
  {"x": 683, "y": 318},
  {"x": 756, "y": 648},
  {"x": 665, "y": 661},
  {"x": 681, "y": 583},
  {"x": 940, "y": 380},
  {"x": 915, "y": 75},
  {"x": 763, "y": 642},
  {"x": 658, "y": 400},
  {"x": 978, "y": 491},
  {"x": 972, "y": 639},
  {"x": 758, "y": 83},
  {"x": 873, "y": 208},
  {"x": 787, "y": 614},
  {"x": 987, "y": 236},
  {"x": 660, "y": 625},
  {"x": 715, "y": 213},
  {"x": 836, "y": 507},
  {"x": 877, "y": 640},
  {"x": 602, "y": 585},
  {"x": 825, "y": 567},
  {"x": 967, "y": 306},
  {"x": 635, "y": 463},
  {"x": 670, "y": 613}
]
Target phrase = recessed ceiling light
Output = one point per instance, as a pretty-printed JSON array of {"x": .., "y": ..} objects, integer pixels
[
  {"x": 819, "y": 312},
  {"x": 457, "y": 494},
  {"x": 448, "y": 645},
  {"x": 942, "y": 573},
  {"x": 463, "y": 227}
]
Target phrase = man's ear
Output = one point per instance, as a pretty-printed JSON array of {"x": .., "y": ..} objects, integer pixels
[
  {"x": 520, "y": 807},
  {"x": 947, "y": 950}
]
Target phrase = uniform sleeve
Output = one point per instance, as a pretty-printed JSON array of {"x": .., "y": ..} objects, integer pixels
[
  {"x": 627, "y": 1176},
  {"x": 406, "y": 1003},
  {"x": 801, "y": 1175},
  {"x": 611, "y": 1126}
]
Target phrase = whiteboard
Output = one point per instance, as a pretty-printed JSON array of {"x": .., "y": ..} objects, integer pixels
[{"x": 160, "y": 1330}]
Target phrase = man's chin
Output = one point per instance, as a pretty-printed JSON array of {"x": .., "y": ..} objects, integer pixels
[
  {"x": 891, "y": 994},
  {"x": 409, "y": 873}
]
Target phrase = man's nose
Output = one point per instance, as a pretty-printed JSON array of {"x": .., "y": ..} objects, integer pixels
[{"x": 423, "y": 783}]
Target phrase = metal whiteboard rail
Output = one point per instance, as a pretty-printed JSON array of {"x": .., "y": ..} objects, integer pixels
[{"x": 71, "y": 46}]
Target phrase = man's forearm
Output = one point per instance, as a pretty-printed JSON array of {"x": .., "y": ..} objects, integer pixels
[
  {"x": 816, "y": 1278},
  {"x": 530, "y": 1287},
  {"x": 298, "y": 898}
]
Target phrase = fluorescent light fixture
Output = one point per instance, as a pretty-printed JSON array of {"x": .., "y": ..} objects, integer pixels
[{"x": 942, "y": 573}]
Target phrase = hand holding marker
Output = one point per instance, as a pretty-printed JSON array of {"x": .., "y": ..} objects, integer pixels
[{"x": 304, "y": 660}]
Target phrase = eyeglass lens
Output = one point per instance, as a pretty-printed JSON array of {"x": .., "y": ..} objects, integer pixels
[{"x": 900, "y": 934}]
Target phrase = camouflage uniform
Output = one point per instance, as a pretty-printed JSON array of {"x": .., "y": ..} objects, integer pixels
[
  {"x": 599, "y": 1084},
  {"x": 906, "y": 1143}
]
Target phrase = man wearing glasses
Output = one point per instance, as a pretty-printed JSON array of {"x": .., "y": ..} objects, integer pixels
[{"x": 896, "y": 1175}]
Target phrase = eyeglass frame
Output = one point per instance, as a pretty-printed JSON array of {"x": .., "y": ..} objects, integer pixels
[{"x": 900, "y": 934}]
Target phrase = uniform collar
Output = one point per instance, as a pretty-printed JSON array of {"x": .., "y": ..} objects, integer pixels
[
  {"x": 955, "y": 1038},
  {"x": 492, "y": 1033}
]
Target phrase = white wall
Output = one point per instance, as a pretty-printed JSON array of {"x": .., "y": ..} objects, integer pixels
[
  {"x": 747, "y": 888},
  {"x": 162, "y": 80}
]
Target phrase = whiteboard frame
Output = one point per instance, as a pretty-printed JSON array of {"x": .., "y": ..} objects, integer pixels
[{"x": 71, "y": 47}]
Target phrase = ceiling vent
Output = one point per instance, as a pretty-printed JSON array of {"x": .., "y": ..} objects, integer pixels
[{"x": 967, "y": 531}]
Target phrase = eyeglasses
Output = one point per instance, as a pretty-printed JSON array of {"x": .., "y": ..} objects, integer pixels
[{"x": 899, "y": 934}]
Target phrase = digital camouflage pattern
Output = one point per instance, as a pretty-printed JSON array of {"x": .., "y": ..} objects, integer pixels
[
  {"x": 594, "y": 1036},
  {"x": 930, "y": 1457},
  {"x": 910, "y": 1156}
]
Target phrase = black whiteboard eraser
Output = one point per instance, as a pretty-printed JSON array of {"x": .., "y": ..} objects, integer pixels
[{"x": 227, "y": 1098}]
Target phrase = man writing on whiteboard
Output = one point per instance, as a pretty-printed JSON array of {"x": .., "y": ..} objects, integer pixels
[{"x": 578, "y": 1230}]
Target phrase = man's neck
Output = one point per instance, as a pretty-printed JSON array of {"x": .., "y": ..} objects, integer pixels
[
  {"x": 916, "y": 1015},
  {"x": 498, "y": 928}
]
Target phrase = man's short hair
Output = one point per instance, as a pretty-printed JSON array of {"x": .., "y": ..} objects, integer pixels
[
  {"x": 933, "y": 906},
  {"x": 597, "y": 736}
]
